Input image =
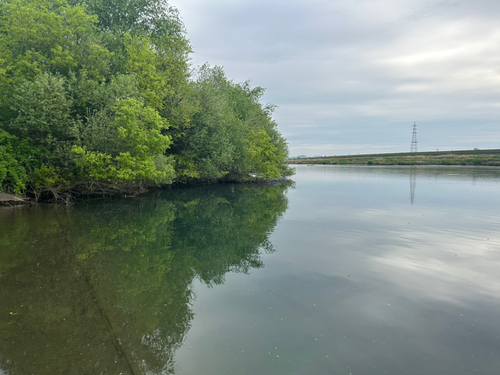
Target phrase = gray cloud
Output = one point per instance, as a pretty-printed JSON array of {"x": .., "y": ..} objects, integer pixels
[{"x": 354, "y": 75}]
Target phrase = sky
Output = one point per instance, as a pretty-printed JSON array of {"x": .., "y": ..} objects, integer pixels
[{"x": 352, "y": 76}]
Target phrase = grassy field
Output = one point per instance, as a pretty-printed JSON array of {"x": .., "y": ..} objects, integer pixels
[{"x": 463, "y": 157}]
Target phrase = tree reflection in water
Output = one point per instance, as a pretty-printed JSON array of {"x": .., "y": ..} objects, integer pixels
[{"x": 106, "y": 287}]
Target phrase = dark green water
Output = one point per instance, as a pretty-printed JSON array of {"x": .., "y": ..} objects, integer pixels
[{"x": 355, "y": 270}]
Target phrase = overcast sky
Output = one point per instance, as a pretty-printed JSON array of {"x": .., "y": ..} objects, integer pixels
[{"x": 351, "y": 76}]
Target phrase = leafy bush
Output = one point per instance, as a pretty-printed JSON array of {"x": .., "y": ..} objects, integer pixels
[
  {"x": 232, "y": 134},
  {"x": 478, "y": 160},
  {"x": 43, "y": 117},
  {"x": 139, "y": 148},
  {"x": 12, "y": 172}
]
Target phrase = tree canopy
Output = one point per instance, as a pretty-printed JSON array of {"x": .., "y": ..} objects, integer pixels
[{"x": 99, "y": 97}]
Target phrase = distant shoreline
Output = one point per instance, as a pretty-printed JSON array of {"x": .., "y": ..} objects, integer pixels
[{"x": 460, "y": 157}]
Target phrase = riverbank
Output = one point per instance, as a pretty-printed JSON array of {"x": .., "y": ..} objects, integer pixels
[
  {"x": 9, "y": 199},
  {"x": 66, "y": 195},
  {"x": 464, "y": 157}
]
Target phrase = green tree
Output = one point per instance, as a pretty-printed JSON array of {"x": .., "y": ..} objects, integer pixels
[
  {"x": 148, "y": 38},
  {"x": 264, "y": 156},
  {"x": 230, "y": 131},
  {"x": 146, "y": 17},
  {"x": 98, "y": 96},
  {"x": 40, "y": 36},
  {"x": 140, "y": 147},
  {"x": 12, "y": 171},
  {"x": 44, "y": 118}
]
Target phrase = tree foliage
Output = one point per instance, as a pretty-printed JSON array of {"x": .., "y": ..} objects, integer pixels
[
  {"x": 99, "y": 94},
  {"x": 138, "y": 150},
  {"x": 12, "y": 171},
  {"x": 233, "y": 134}
]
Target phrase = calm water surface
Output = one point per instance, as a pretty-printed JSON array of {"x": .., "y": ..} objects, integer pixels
[{"x": 351, "y": 270}]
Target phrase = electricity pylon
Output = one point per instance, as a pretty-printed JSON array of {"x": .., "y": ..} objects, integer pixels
[{"x": 414, "y": 139}]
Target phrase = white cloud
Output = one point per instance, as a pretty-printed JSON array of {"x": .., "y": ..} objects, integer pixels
[{"x": 338, "y": 68}]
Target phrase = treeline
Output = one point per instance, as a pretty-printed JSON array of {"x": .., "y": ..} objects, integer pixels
[{"x": 99, "y": 97}]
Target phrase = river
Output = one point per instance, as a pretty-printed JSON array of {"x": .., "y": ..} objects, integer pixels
[{"x": 346, "y": 270}]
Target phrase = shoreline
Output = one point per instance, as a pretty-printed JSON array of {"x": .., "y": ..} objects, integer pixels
[
  {"x": 466, "y": 157},
  {"x": 67, "y": 197}
]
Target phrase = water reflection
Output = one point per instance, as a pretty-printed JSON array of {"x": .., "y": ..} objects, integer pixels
[
  {"x": 424, "y": 172},
  {"x": 106, "y": 287},
  {"x": 364, "y": 282},
  {"x": 413, "y": 183}
]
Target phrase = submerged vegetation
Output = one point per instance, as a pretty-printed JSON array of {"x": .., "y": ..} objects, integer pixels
[{"x": 98, "y": 97}]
